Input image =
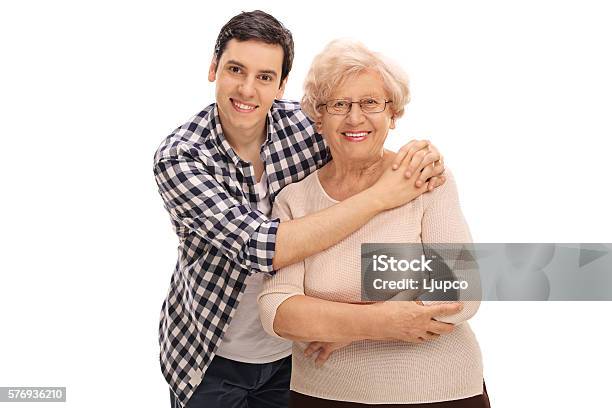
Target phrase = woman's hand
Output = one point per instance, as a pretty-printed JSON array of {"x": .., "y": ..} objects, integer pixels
[
  {"x": 412, "y": 322},
  {"x": 393, "y": 189},
  {"x": 421, "y": 154},
  {"x": 406, "y": 178},
  {"x": 325, "y": 350}
]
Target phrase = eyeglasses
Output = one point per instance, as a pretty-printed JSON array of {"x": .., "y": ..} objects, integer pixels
[{"x": 343, "y": 106}]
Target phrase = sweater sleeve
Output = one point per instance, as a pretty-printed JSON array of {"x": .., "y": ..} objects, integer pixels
[
  {"x": 287, "y": 282},
  {"x": 443, "y": 223}
]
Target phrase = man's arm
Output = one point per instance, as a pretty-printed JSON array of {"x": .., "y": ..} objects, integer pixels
[
  {"x": 297, "y": 239},
  {"x": 200, "y": 204}
]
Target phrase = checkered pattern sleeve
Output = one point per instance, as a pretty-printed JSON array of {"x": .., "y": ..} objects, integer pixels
[{"x": 199, "y": 203}]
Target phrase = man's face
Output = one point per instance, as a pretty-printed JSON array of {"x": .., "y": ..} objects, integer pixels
[{"x": 248, "y": 80}]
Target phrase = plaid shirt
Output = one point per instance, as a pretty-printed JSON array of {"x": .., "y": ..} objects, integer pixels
[{"x": 210, "y": 195}]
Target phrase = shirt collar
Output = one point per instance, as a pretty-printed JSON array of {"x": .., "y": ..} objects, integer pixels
[{"x": 270, "y": 126}]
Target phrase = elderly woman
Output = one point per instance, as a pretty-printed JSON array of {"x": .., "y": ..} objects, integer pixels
[{"x": 355, "y": 96}]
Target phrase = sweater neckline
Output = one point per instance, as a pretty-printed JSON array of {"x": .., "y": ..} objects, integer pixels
[{"x": 316, "y": 176}]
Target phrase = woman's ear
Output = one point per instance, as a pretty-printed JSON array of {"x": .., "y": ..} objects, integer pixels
[
  {"x": 318, "y": 126},
  {"x": 392, "y": 125}
]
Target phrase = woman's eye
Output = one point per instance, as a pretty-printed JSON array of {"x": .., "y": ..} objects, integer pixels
[{"x": 340, "y": 104}]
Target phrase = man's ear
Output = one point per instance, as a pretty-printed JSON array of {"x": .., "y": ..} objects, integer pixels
[
  {"x": 212, "y": 71},
  {"x": 281, "y": 89}
]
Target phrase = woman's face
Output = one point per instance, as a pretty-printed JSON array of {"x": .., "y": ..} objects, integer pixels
[{"x": 357, "y": 136}]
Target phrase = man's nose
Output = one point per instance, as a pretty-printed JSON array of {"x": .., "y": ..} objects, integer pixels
[{"x": 247, "y": 87}]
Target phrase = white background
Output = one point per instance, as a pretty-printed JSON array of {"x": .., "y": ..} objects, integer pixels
[{"x": 516, "y": 95}]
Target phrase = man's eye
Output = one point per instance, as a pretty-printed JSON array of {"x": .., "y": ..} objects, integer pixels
[
  {"x": 265, "y": 77},
  {"x": 235, "y": 70}
]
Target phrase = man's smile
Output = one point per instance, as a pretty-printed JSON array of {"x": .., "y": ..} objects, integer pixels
[{"x": 243, "y": 107}]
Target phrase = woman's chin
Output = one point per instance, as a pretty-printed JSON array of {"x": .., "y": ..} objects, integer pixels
[{"x": 366, "y": 157}]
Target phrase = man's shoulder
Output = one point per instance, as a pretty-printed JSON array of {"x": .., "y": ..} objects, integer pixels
[
  {"x": 292, "y": 124},
  {"x": 286, "y": 106},
  {"x": 190, "y": 135},
  {"x": 287, "y": 112}
]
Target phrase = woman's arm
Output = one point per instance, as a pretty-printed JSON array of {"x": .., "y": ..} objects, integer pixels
[
  {"x": 443, "y": 223},
  {"x": 304, "y": 318},
  {"x": 286, "y": 312}
]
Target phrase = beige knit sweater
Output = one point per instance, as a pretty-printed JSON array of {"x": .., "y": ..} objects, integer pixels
[{"x": 376, "y": 372}]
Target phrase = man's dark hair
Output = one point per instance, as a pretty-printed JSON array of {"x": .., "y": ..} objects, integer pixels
[{"x": 260, "y": 26}]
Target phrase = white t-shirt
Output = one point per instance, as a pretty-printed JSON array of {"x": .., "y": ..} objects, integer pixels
[{"x": 245, "y": 339}]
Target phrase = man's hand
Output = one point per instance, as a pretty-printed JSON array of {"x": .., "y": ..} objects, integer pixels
[
  {"x": 422, "y": 155},
  {"x": 414, "y": 166},
  {"x": 325, "y": 350},
  {"x": 412, "y": 322},
  {"x": 393, "y": 189}
]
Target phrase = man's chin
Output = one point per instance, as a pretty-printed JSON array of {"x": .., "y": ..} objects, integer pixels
[{"x": 245, "y": 124}]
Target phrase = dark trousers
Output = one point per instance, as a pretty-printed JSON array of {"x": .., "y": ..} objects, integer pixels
[
  {"x": 297, "y": 400},
  {"x": 232, "y": 384}
]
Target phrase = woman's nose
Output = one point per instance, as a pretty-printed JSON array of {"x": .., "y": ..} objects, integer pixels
[{"x": 355, "y": 115}]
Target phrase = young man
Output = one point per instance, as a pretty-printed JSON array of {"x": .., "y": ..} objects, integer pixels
[{"x": 218, "y": 175}]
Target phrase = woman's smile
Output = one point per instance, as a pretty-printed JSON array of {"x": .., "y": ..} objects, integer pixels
[{"x": 355, "y": 136}]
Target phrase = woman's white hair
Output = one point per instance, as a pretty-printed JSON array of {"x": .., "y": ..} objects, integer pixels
[{"x": 342, "y": 59}]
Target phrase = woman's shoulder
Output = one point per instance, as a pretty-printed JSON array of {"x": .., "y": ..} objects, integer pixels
[
  {"x": 446, "y": 193},
  {"x": 298, "y": 195},
  {"x": 298, "y": 188}
]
